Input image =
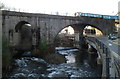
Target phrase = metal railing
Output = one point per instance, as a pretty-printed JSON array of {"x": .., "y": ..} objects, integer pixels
[{"x": 111, "y": 61}]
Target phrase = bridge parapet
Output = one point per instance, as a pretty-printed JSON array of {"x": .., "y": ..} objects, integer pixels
[{"x": 111, "y": 63}]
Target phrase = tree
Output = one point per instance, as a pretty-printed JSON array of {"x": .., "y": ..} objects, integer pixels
[{"x": 2, "y": 6}]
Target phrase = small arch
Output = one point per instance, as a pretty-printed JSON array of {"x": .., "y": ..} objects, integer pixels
[
  {"x": 68, "y": 29},
  {"x": 19, "y": 25},
  {"x": 65, "y": 34},
  {"x": 82, "y": 27},
  {"x": 23, "y": 35},
  {"x": 92, "y": 30}
]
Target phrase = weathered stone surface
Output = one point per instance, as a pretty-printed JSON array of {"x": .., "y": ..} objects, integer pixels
[{"x": 51, "y": 25}]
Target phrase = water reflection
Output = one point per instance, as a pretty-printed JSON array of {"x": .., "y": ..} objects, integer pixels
[{"x": 68, "y": 52}]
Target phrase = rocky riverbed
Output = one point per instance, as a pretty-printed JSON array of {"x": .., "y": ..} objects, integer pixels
[{"x": 27, "y": 67}]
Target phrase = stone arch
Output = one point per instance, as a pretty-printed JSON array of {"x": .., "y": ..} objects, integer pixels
[
  {"x": 78, "y": 29},
  {"x": 57, "y": 34},
  {"x": 23, "y": 36},
  {"x": 96, "y": 28},
  {"x": 62, "y": 29},
  {"x": 19, "y": 25}
]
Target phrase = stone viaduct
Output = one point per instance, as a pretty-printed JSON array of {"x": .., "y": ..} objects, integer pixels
[{"x": 48, "y": 26}]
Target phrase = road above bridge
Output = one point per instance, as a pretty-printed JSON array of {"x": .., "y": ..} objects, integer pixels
[
  {"x": 110, "y": 54},
  {"x": 114, "y": 47}
]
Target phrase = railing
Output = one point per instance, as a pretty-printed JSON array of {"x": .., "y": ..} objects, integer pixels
[{"x": 111, "y": 62}]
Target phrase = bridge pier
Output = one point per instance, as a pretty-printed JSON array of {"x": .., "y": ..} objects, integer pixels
[
  {"x": 76, "y": 44},
  {"x": 92, "y": 56},
  {"x": 104, "y": 75},
  {"x": 83, "y": 45}
]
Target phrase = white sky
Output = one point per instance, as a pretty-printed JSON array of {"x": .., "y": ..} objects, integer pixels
[{"x": 107, "y": 7}]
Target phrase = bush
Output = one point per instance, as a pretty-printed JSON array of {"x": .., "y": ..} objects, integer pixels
[
  {"x": 6, "y": 55},
  {"x": 41, "y": 50},
  {"x": 55, "y": 58},
  {"x": 42, "y": 46}
]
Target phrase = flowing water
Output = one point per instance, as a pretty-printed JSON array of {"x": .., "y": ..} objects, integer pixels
[{"x": 37, "y": 68}]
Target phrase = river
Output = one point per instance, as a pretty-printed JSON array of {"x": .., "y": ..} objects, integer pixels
[{"x": 37, "y": 68}]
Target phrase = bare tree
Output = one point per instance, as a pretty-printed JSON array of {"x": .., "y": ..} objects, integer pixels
[{"x": 2, "y": 6}]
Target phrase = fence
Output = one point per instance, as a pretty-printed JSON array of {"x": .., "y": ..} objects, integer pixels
[{"x": 111, "y": 62}]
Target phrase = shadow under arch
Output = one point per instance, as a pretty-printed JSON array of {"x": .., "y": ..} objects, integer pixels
[
  {"x": 19, "y": 25},
  {"x": 23, "y": 34}
]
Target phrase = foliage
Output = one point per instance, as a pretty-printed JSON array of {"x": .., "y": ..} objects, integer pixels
[
  {"x": 43, "y": 45},
  {"x": 5, "y": 44},
  {"x": 6, "y": 55},
  {"x": 5, "y": 7}
]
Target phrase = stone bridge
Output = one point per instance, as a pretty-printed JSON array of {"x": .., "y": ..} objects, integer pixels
[{"x": 46, "y": 27}]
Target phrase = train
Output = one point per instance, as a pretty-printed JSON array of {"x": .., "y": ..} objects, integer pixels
[{"x": 77, "y": 14}]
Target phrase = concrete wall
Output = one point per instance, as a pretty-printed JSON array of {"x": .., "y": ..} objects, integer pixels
[{"x": 50, "y": 25}]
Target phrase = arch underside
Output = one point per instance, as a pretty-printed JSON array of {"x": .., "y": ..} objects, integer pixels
[
  {"x": 19, "y": 25},
  {"x": 24, "y": 34}
]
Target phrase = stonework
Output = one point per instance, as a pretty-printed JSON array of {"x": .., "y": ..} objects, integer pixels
[{"x": 51, "y": 25}]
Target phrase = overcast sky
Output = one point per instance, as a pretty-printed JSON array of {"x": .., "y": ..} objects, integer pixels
[{"x": 107, "y": 7}]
